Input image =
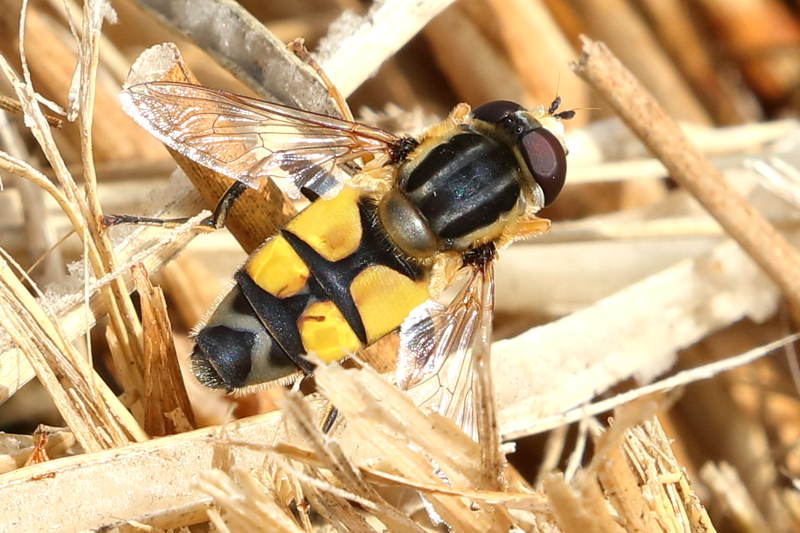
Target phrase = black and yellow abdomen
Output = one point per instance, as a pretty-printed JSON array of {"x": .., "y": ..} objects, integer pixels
[{"x": 328, "y": 284}]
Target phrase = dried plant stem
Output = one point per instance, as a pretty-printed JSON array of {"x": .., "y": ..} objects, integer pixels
[
  {"x": 152, "y": 482},
  {"x": 13, "y": 106},
  {"x": 470, "y": 62},
  {"x": 618, "y": 23},
  {"x": 37, "y": 226},
  {"x": 240, "y": 43},
  {"x": 256, "y": 215},
  {"x": 352, "y": 55},
  {"x": 637, "y": 107},
  {"x": 75, "y": 315},
  {"x": 91, "y": 410},
  {"x": 76, "y": 198},
  {"x": 681, "y": 379},
  {"x": 549, "y": 53},
  {"x": 126, "y": 325},
  {"x": 165, "y": 399}
]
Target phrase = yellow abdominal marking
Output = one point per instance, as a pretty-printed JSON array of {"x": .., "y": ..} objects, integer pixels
[
  {"x": 278, "y": 269},
  {"x": 325, "y": 332},
  {"x": 384, "y": 297},
  {"x": 331, "y": 227}
]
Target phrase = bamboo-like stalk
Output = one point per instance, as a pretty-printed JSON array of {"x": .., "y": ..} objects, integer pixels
[{"x": 687, "y": 166}]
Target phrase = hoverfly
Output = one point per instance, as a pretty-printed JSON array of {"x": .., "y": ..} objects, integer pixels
[{"x": 375, "y": 246}]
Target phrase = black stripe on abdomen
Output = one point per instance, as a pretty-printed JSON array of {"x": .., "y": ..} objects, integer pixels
[
  {"x": 279, "y": 317},
  {"x": 335, "y": 277}
]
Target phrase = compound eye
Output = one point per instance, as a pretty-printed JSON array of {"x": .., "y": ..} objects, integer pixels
[
  {"x": 495, "y": 111},
  {"x": 546, "y": 161}
]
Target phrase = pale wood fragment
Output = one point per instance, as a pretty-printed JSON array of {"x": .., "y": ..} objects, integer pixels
[
  {"x": 154, "y": 482},
  {"x": 551, "y": 365},
  {"x": 231, "y": 35}
]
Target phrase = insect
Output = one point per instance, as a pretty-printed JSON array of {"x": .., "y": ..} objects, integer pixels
[{"x": 393, "y": 220}]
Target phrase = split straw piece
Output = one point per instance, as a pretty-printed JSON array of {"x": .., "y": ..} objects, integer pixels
[{"x": 686, "y": 165}]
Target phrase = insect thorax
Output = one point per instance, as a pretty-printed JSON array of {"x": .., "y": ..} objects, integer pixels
[{"x": 452, "y": 193}]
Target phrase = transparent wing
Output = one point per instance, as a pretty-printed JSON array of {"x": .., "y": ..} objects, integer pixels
[
  {"x": 248, "y": 139},
  {"x": 438, "y": 345}
]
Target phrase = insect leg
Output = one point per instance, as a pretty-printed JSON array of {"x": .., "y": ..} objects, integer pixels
[
  {"x": 220, "y": 214},
  {"x": 299, "y": 48},
  {"x": 215, "y": 221},
  {"x": 526, "y": 226},
  {"x": 330, "y": 419}
]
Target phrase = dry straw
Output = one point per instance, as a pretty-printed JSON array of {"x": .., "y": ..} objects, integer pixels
[{"x": 131, "y": 459}]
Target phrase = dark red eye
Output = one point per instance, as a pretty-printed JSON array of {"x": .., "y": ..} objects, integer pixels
[
  {"x": 495, "y": 111},
  {"x": 546, "y": 161}
]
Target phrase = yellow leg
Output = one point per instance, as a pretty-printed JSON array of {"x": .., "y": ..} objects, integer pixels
[
  {"x": 445, "y": 266},
  {"x": 376, "y": 178},
  {"x": 524, "y": 227}
]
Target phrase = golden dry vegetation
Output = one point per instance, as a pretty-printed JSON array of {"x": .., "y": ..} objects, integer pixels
[{"x": 644, "y": 358}]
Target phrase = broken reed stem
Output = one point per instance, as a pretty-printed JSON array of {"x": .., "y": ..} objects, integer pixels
[
  {"x": 124, "y": 320},
  {"x": 256, "y": 215},
  {"x": 686, "y": 165},
  {"x": 13, "y": 106}
]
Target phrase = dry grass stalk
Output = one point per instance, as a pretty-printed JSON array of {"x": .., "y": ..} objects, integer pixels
[
  {"x": 385, "y": 446},
  {"x": 229, "y": 33},
  {"x": 126, "y": 328},
  {"x": 37, "y": 226},
  {"x": 165, "y": 399},
  {"x": 579, "y": 511},
  {"x": 98, "y": 420},
  {"x": 151, "y": 482},
  {"x": 682, "y": 378},
  {"x": 409, "y": 443},
  {"x": 635, "y": 471},
  {"x": 247, "y": 505},
  {"x": 610, "y": 141},
  {"x": 378, "y": 440},
  {"x": 689, "y": 168},
  {"x": 568, "y": 370},
  {"x": 51, "y": 57},
  {"x": 356, "y": 46},
  {"x": 650, "y": 452},
  {"x": 620, "y": 25},
  {"x": 123, "y": 318},
  {"x": 639, "y": 476},
  {"x": 340, "y": 466},
  {"x": 727, "y": 487},
  {"x": 13, "y": 106},
  {"x": 75, "y": 317}
]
